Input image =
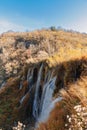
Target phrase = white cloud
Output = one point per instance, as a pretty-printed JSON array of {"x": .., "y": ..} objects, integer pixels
[
  {"x": 29, "y": 24},
  {"x": 7, "y": 25}
]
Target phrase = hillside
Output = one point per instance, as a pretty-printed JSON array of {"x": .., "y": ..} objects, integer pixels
[{"x": 35, "y": 69}]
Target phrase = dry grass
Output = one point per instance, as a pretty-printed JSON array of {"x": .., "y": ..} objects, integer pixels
[
  {"x": 76, "y": 93},
  {"x": 74, "y": 96},
  {"x": 65, "y": 56}
]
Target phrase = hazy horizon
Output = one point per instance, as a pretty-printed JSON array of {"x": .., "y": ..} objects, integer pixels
[{"x": 22, "y": 15}]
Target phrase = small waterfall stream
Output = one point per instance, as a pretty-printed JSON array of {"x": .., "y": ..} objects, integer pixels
[
  {"x": 2, "y": 85},
  {"x": 36, "y": 99}
]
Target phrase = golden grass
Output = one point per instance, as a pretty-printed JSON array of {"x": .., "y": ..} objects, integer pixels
[
  {"x": 75, "y": 95},
  {"x": 76, "y": 91},
  {"x": 65, "y": 56}
]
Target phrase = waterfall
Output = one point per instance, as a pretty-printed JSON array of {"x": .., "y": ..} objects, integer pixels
[
  {"x": 36, "y": 99},
  {"x": 46, "y": 100},
  {"x": 42, "y": 107},
  {"x": 46, "y": 83},
  {"x": 48, "y": 90}
]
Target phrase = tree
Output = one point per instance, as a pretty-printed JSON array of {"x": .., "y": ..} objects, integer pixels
[{"x": 53, "y": 28}]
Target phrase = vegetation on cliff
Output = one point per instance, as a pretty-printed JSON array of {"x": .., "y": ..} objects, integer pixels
[{"x": 62, "y": 53}]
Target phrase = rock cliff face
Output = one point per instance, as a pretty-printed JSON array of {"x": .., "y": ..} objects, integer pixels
[{"x": 34, "y": 68}]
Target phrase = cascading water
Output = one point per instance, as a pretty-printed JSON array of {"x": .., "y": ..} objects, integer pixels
[
  {"x": 47, "y": 104},
  {"x": 36, "y": 99},
  {"x": 42, "y": 107},
  {"x": 47, "y": 94},
  {"x": 48, "y": 76}
]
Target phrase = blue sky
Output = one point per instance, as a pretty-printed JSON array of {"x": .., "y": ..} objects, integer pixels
[{"x": 22, "y": 15}]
